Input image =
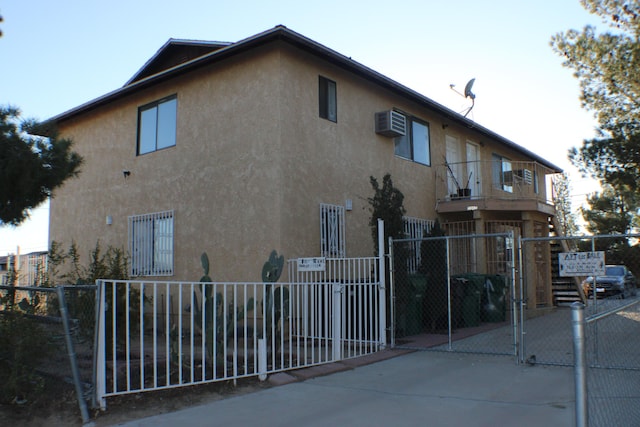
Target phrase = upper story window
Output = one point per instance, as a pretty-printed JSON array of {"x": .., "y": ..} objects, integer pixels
[
  {"x": 328, "y": 100},
  {"x": 415, "y": 144},
  {"x": 157, "y": 125},
  {"x": 502, "y": 175}
]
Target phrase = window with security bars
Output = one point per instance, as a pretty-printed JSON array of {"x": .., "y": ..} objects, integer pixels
[
  {"x": 500, "y": 250},
  {"x": 332, "y": 244},
  {"x": 415, "y": 228},
  {"x": 463, "y": 253},
  {"x": 151, "y": 244}
]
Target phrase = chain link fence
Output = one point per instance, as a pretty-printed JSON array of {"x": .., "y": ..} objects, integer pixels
[
  {"x": 546, "y": 327},
  {"x": 448, "y": 291},
  {"x": 607, "y": 365},
  {"x": 493, "y": 294},
  {"x": 35, "y": 355}
]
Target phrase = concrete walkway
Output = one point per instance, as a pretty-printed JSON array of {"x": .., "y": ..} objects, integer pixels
[{"x": 412, "y": 389}]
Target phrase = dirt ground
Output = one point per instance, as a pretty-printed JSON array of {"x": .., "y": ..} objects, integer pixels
[{"x": 59, "y": 406}]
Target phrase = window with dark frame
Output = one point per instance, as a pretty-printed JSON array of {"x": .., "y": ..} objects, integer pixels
[
  {"x": 415, "y": 145},
  {"x": 502, "y": 175},
  {"x": 328, "y": 99},
  {"x": 157, "y": 125}
]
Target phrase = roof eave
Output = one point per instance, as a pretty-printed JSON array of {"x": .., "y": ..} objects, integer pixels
[{"x": 283, "y": 33}]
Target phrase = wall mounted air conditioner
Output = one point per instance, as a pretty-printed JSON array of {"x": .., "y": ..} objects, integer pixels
[
  {"x": 521, "y": 176},
  {"x": 525, "y": 175},
  {"x": 391, "y": 123}
]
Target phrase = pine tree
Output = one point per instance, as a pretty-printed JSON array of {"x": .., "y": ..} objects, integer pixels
[
  {"x": 607, "y": 66},
  {"x": 31, "y": 166}
]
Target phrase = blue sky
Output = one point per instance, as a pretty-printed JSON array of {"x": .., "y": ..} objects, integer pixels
[{"x": 58, "y": 55}]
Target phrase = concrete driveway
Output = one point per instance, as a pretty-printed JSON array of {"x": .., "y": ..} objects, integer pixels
[{"x": 420, "y": 388}]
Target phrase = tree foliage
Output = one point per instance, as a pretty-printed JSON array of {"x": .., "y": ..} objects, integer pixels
[
  {"x": 562, "y": 201},
  {"x": 386, "y": 204},
  {"x": 31, "y": 167},
  {"x": 610, "y": 212},
  {"x": 607, "y": 66}
]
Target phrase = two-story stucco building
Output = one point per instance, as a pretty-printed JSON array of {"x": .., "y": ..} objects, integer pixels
[{"x": 268, "y": 143}]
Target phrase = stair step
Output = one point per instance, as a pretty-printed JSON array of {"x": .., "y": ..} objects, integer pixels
[{"x": 565, "y": 297}]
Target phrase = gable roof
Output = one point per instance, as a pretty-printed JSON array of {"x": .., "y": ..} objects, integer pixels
[
  {"x": 177, "y": 57},
  {"x": 173, "y": 53}
]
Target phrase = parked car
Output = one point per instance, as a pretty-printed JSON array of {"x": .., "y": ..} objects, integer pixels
[{"x": 617, "y": 280}]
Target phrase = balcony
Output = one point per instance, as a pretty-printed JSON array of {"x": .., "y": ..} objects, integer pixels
[{"x": 497, "y": 185}]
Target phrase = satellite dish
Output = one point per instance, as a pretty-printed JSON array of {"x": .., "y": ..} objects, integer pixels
[
  {"x": 467, "y": 89},
  {"x": 467, "y": 94}
]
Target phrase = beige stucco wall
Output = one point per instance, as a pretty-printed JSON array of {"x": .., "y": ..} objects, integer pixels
[{"x": 252, "y": 162}]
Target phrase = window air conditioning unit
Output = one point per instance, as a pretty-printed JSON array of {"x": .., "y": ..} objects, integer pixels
[
  {"x": 391, "y": 124},
  {"x": 525, "y": 175},
  {"x": 521, "y": 176}
]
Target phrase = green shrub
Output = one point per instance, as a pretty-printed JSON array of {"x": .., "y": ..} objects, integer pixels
[{"x": 23, "y": 346}]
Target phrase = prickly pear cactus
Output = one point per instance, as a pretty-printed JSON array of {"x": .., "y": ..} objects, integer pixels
[
  {"x": 204, "y": 260},
  {"x": 276, "y": 299},
  {"x": 272, "y": 269}
]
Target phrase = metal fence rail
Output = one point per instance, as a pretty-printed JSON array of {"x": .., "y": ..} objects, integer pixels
[
  {"x": 607, "y": 365},
  {"x": 157, "y": 335}
]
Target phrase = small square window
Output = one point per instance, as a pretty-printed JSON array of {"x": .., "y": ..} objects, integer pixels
[
  {"x": 328, "y": 100},
  {"x": 157, "y": 125}
]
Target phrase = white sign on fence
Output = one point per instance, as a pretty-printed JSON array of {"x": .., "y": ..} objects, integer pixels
[
  {"x": 311, "y": 264},
  {"x": 581, "y": 263}
]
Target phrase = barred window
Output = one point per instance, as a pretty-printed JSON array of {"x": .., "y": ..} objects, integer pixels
[
  {"x": 415, "y": 228},
  {"x": 332, "y": 231},
  {"x": 151, "y": 244}
]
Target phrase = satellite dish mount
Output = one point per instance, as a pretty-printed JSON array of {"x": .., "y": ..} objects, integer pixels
[{"x": 467, "y": 94}]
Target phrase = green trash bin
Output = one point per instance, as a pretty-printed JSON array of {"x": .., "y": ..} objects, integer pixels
[
  {"x": 413, "y": 323},
  {"x": 471, "y": 311},
  {"x": 472, "y": 301}
]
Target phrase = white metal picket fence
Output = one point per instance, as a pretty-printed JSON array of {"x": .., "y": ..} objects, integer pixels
[{"x": 159, "y": 335}]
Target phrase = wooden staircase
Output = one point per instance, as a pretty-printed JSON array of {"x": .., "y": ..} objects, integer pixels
[{"x": 566, "y": 290}]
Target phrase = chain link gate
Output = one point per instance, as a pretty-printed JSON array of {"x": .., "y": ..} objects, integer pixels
[
  {"x": 455, "y": 293},
  {"x": 546, "y": 331},
  {"x": 611, "y": 320}
]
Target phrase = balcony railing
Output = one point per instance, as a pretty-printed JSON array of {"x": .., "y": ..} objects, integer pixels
[{"x": 493, "y": 185}]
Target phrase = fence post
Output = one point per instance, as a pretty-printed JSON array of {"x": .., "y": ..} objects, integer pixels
[
  {"x": 514, "y": 309},
  {"x": 100, "y": 349},
  {"x": 262, "y": 359},
  {"x": 449, "y": 318},
  {"x": 72, "y": 355},
  {"x": 580, "y": 368},
  {"x": 336, "y": 292},
  {"x": 382, "y": 288}
]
